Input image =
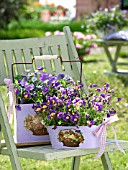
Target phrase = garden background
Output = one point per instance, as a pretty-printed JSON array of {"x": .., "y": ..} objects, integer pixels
[{"x": 21, "y": 19}]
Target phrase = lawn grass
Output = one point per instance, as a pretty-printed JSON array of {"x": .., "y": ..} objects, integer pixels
[{"x": 93, "y": 68}]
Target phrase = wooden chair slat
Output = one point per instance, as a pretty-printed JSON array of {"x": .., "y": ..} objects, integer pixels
[
  {"x": 57, "y": 62},
  {"x": 30, "y": 43},
  {"x": 47, "y": 63},
  {"x": 3, "y": 74},
  {"x": 18, "y": 54},
  {"x": 28, "y": 58},
  {"x": 36, "y": 52},
  {"x": 65, "y": 57},
  {"x": 0, "y": 136},
  {"x": 9, "y": 61}
]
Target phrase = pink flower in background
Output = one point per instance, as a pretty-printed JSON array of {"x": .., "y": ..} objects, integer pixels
[
  {"x": 76, "y": 33},
  {"x": 79, "y": 35},
  {"x": 48, "y": 33},
  {"x": 61, "y": 33},
  {"x": 94, "y": 45},
  {"x": 87, "y": 37},
  {"x": 57, "y": 32},
  {"x": 93, "y": 36},
  {"x": 82, "y": 41},
  {"x": 87, "y": 51},
  {"x": 78, "y": 46}
]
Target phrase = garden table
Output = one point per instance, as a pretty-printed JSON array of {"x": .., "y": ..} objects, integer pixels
[{"x": 114, "y": 60}]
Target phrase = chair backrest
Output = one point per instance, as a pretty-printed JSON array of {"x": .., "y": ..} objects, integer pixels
[{"x": 23, "y": 50}]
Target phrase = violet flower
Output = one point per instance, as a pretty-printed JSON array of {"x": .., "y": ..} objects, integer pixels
[{"x": 18, "y": 108}]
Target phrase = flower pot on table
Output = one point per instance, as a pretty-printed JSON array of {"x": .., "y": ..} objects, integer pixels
[{"x": 73, "y": 137}]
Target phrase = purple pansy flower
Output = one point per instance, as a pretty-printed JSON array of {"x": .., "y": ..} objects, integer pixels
[
  {"x": 29, "y": 87},
  {"x": 106, "y": 85},
  {"x": 119, "y": 99},
  {"x": 43, "y": 76},
  {"x": 78, "y": 131},
  {"x": 66, "y": 117},
  {"x": 87, "y": 116},
  {"x": 90, "y": 123},
  {"x": 18, "y": 107},
  {"x": 52, "y": 113},
  {"x": 40, "y": 68},
  {"x": 54, "y": 127},
  {"x": 98, "y": 89},
  {"x": 22, "y": 100},
  {"x": 98, "y": 106},
  {"x": 91, "y": 85},
  {"x": 22, "y": 82},
  {"x": 108, "y": 114},
  {"x": 74, "y": 119},
  {"x": 60, "y": 115},
  {"x": 45, "y": 90},
  {"x": 102, "y": 95},
  {"x": 60, "y": 76},
  {"x": 16, "y": 91},
  {"x": 112, "y": 111},
  {"x": 94, "y": 85}
]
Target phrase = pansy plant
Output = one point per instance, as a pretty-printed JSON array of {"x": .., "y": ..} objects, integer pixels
[{"x": 61, "y": 101}]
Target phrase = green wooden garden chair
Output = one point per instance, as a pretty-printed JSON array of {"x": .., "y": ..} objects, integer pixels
[{"x": 23, "y": 50}]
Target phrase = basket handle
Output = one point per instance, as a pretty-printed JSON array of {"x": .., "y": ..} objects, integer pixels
[{"x": 46, "y": 57}]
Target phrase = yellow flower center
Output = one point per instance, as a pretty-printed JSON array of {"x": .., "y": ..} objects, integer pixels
[
  {"x": 67, "y": 117},
  {"x": 76, "y": 88},
  {"x": 75, "y": 119},
  {"x": 78, "y": 103},
  {"x": 97, "y": 107},
  {"x": 38, "y": 109},
  {"x": 26, "y": 96},
  {"x": 53, "y": 101},
  {"x": 44, "y": 106},
  {"x": 52, "y": 114}
]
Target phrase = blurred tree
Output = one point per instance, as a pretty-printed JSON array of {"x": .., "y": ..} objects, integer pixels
[{"x": 10, "y": 10}]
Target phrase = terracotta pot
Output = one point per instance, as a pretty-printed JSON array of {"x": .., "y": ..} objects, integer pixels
[{"x": 45, "y": 16}]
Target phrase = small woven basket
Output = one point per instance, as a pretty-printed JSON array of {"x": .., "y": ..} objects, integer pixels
[
  {"x": 40, "y": 132},
  {"x": 71, "y": 144}
]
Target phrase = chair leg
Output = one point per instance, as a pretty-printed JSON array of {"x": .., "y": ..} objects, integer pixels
[
  {"x": 106, "y": 161},
  {"x": 6, "y": 129},
  {"x": 75, "y": 163},
  {"x": 10, "y": 143}
]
